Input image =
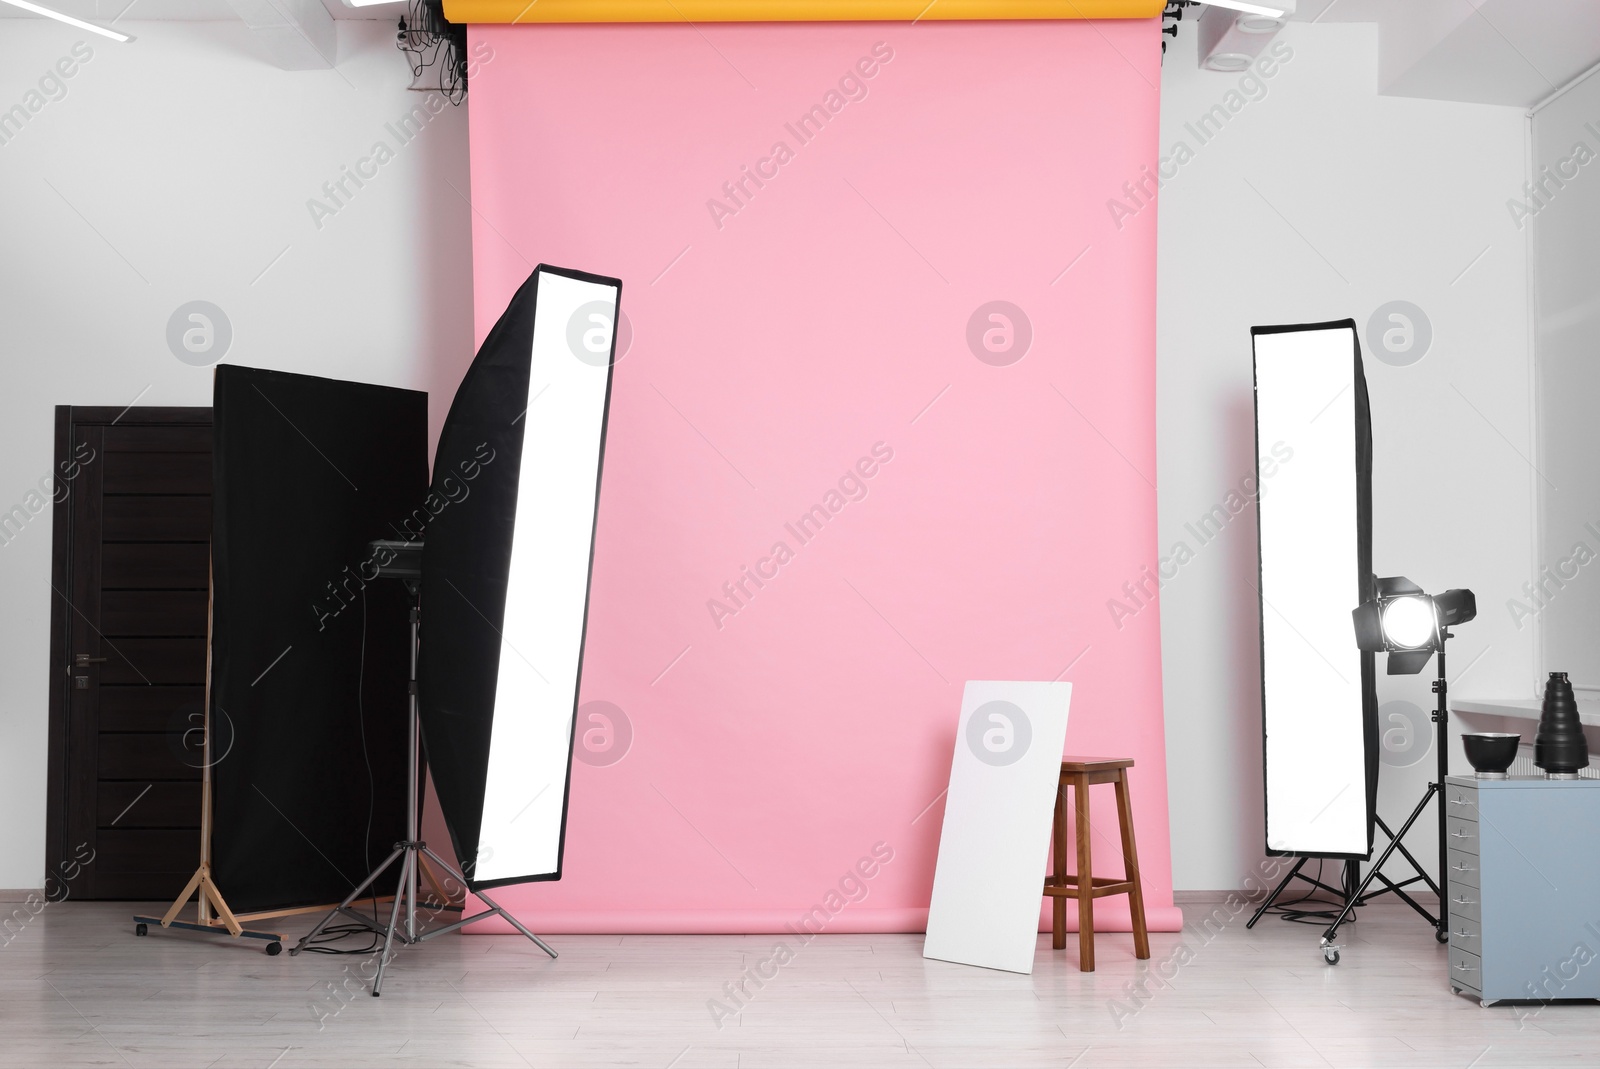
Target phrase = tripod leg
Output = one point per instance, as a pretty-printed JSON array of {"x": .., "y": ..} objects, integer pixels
[
  {"x": 305, "y": 940},
  {"x": 433, "y": 881},
  {"x": 518, "y": 925},
  {"x": 1420, "y": 870},
  {"x": 449, "y": 869},
  {"x": 1414, "y": 862},
  {"x": 1276, "y": 891},
  {"x": 183, "y": 897},
  {"x": 1377, "y": 866},
  {"x": 394, "y": 923}
]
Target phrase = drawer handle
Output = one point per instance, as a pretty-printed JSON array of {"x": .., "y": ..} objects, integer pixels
[
  {"x": 1462, "y": 866},
  {"x": 1459, "y": 801},
  {"x": 1463, "y": 934},
  {"x": 1463, "y": 900},
  {"x": 1462, "y": 835}
]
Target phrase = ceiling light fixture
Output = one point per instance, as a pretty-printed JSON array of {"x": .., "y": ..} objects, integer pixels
[
  {"x": 69, "y": 20},
  {"x": 1268, "y": 10}
]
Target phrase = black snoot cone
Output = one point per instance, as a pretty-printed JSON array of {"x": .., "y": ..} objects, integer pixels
[{"x": 1560, "y": 748}]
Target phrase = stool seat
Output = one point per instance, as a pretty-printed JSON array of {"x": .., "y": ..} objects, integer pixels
[
  {"x": 1078, "y": 774},
  {"x": 1094, "y": 764}
]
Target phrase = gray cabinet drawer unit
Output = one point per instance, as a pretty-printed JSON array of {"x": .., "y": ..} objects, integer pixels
[{"x": 1523, "y": 887}]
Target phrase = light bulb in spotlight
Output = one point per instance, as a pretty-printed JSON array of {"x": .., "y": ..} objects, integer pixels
[{"x": 1410, "y": 623}]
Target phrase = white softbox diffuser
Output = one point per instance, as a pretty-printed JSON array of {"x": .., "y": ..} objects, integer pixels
[{"x": 1315, "y": 526}]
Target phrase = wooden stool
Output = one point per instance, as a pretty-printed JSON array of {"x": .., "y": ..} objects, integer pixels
[{"x": 1079, "y": 773}]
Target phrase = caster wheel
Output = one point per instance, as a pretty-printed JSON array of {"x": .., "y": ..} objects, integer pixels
[
  {"x": 141, "y": 929},
  {"x": 274, "y": 948},
  {"x": 1331, "y": 955},
  {"x": 1442, "y": 936}
]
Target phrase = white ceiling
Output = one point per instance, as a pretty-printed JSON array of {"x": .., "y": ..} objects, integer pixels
[
  {"x": 1513, "y": 52},
  {"x": 105, "y": 11}
]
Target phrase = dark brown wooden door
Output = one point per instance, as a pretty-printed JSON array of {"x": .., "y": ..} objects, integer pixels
[{"x": 128, "y": 647}]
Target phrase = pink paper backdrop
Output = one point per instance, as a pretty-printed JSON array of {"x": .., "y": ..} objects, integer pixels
[{"x": 773, "y": 348}]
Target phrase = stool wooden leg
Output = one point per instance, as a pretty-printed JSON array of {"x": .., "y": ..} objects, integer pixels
[
  {"x": 1080, "y": 789},
  {"x": 1130, "y": 867},
  {"x": 1058, "y": 846}
]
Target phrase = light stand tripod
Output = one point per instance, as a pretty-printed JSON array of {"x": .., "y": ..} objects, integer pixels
[
  {"x": 1348, "y": 893},
  {"x": 405, "y": 564},
  {"x": 1441, "y": 718}
]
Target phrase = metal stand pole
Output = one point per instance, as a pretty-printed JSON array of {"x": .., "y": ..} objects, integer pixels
[
  {"x": 1441, "y": 717},
  {"x": 410, "y": 851},
  {"x": 413, "y": 779}
]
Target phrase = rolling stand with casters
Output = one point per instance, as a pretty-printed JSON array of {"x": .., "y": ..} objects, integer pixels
[
  {"x": 1352, "y": 894},
  {"x": 1342, "y": 893},
  {"x": 1440, "y": 924},
  {"x": 201, "y": 886}
]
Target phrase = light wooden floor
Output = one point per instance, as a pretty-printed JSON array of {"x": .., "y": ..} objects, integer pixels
[{"x": 78, "y": 989}]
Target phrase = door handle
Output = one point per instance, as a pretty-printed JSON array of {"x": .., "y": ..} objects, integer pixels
[{"x": 83, "y": 660}]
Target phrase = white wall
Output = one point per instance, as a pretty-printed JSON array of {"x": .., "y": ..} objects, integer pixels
[
  {"x": 1323, "y": 200},
  {"x": 178, "y": 168},
  {"x": 1564, "y": 223}
]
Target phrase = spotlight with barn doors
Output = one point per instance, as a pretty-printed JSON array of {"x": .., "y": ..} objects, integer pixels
[{"x": 1410, "y": 626}]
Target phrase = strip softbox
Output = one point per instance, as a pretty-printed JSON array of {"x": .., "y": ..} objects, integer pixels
[
  {"x": 310, "y": 653},
  {"x": 1318, "y": 692},
  {"x": 505, "y": 587}
]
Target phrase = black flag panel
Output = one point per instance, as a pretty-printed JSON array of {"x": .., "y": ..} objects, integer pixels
[{"x": 310, "y": 653}]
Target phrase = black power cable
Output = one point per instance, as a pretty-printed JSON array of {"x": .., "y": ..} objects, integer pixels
[
  {"x": 336, "y": 933},
  {"x": 428, "y": 38},
  {"x": 1287, "y": 910}
]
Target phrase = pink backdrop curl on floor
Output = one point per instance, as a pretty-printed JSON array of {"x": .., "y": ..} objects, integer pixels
[{"x": 812, "y": 223}]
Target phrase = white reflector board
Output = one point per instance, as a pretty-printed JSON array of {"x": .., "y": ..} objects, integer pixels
[
  {"x": 1314, "y": 469},
  {"x": 989, "y": 879}
]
